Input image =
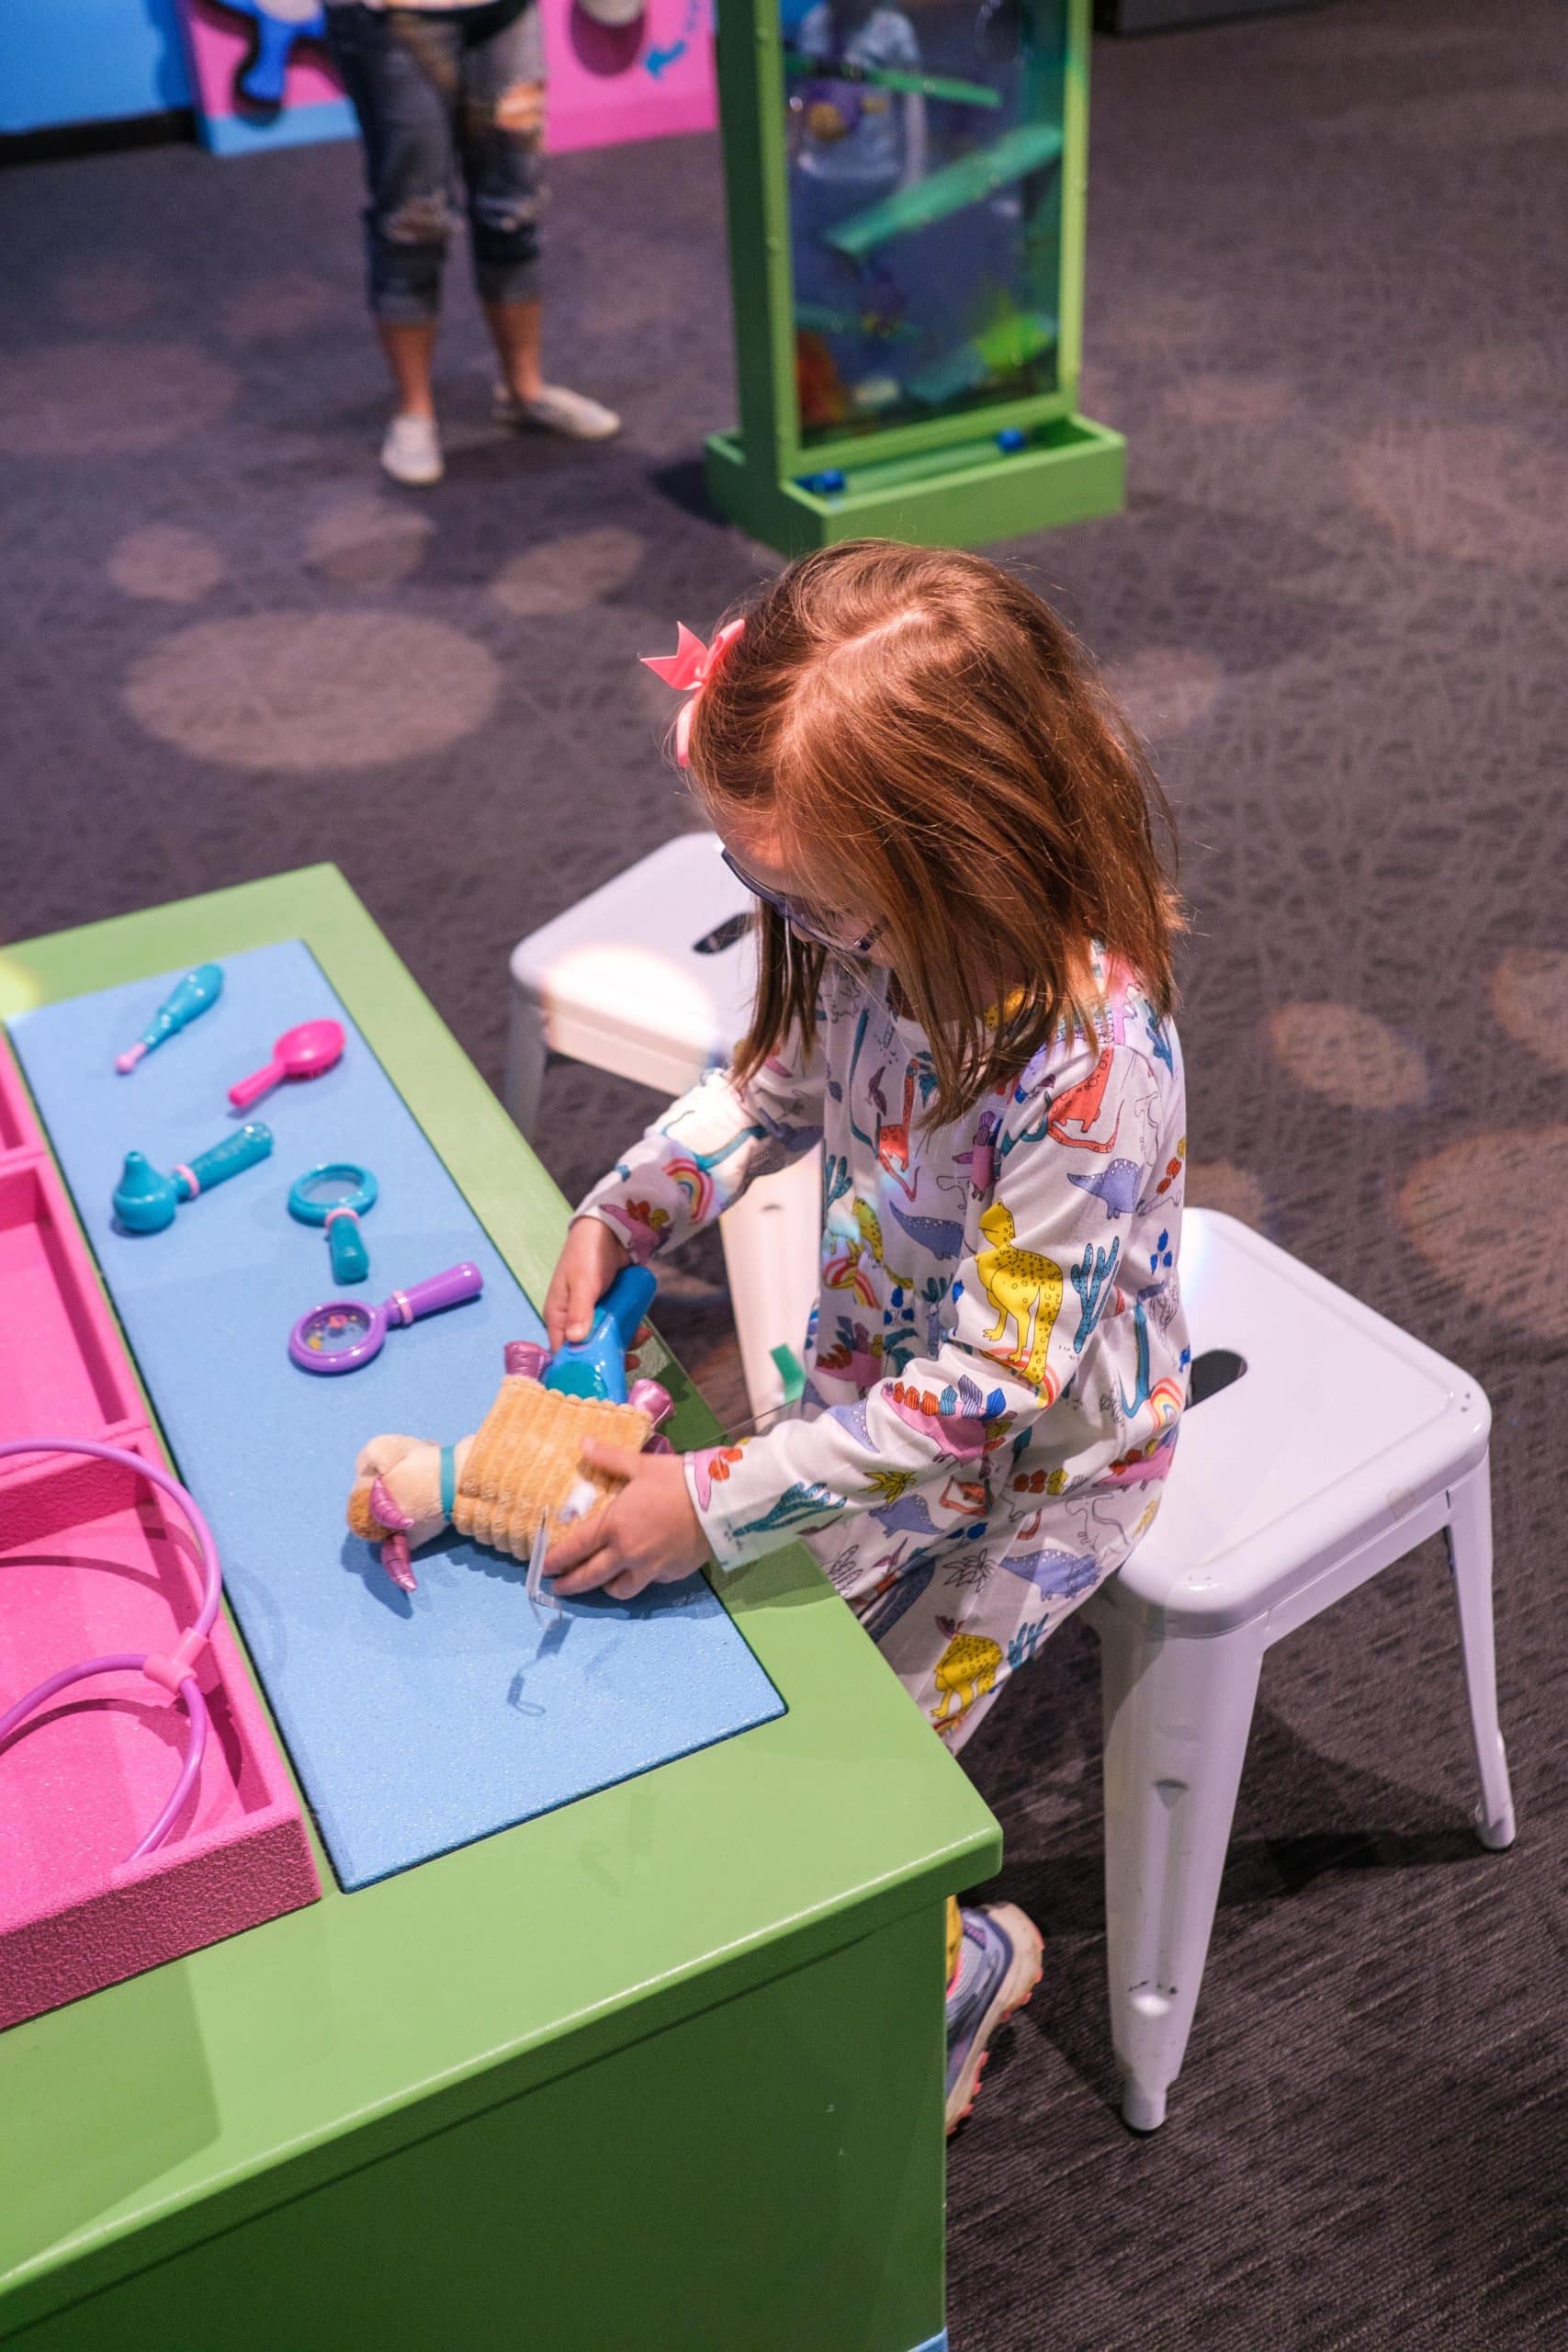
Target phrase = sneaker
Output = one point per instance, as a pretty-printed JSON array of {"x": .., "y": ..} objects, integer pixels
[
  {"x": 412, "y": 451},
  {"x": 998, "y": 1967},
  {"x": 555, "y": 410}
]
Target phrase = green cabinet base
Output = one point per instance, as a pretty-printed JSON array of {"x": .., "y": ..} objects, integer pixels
[
  {"x": 767, "y": 2176},
  {"x": 962, "y": 495}
]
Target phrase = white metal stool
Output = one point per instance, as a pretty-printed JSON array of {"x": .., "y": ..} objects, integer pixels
[
  {"x": 1341, "y": 1445},
  {"x": 652, "y": 976}
]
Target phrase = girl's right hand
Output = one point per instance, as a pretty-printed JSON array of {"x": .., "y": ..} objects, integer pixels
[{"x": 587, "y": 1266}]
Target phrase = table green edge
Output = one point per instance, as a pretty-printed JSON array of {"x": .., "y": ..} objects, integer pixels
[{"x": 312, "y": 2046}]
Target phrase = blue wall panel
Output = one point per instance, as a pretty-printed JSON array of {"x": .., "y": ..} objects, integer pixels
[{"x": 89, "y": 60}]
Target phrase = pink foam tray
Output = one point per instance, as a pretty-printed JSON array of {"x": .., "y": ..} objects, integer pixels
[
  {"x": 18, "y": 1128},
  {"x": 94, "y": 1562}
]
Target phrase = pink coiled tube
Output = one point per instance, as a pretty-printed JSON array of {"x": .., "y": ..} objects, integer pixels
[{"x": 172, "y": 1672}]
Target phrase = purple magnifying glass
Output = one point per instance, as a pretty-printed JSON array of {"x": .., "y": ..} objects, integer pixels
[{"x": 345, "y": 1333}]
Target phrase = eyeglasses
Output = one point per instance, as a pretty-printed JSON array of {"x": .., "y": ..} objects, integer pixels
[{"x": 806, "y": 922}]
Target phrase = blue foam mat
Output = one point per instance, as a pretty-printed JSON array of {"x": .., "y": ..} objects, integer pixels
[{"x": 415, "y": 1723}]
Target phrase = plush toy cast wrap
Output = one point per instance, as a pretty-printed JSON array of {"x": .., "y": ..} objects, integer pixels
[{"x": 524, "y": 1464}]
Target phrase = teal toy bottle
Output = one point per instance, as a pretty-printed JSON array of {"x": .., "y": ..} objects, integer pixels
[{"x": 196, "y": 994}]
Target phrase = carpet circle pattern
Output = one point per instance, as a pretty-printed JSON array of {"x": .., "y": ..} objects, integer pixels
[
  {"x": 1460, "y": 1207},
  {"x": 1234, "y": 1191},
  {"x": 1474, "y": 493},
  {"x": 1165, "y": 689},
  {"x": 367, "y": 542},
  {"x": 1347, "y": 1057},
  {"x": 284, "y": 304},
  {"x": 567, "y": 574},
  {"x": 167, "y": 564},
  {"x": 108, "y": 400},
  {"x": 1530, "y": 997},
  {"x": 1231, "y": 399},
  {"x": 106, "y": 294},
  {"x": 309, "y": 691}
]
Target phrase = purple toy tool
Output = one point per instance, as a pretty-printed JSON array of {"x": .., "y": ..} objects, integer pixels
[
  {"x": 304, "y": 1051},
  {"x": 345, "y": 1333}
]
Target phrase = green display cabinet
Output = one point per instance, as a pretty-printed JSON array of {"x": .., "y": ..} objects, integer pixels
[
  {"x": 660, "y": 2071},
  {"x": 906, "y": 188}
]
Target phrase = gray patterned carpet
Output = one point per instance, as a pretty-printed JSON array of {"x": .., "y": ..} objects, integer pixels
[{"x": 1326, "y": 305}]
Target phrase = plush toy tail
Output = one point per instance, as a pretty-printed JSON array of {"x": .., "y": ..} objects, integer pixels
[
  {"x": 376, "y": 1514},
  {"x": 395, "y": 1542},
  {"x": 395, "y": 1560}
]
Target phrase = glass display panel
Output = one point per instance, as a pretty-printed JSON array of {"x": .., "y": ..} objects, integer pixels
[{"x": 924, "y": 145}]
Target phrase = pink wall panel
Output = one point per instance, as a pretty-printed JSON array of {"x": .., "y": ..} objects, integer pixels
[{"x": 647, "y": 80}]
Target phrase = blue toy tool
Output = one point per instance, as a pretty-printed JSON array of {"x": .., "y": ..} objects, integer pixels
[
  {"x": 145, "y": 1202},
  {"x": 337, "y": 1194},
  {"x": 596, "y": 1366},
  {"x": 279, "y": 24},
  {"x": 189, "y": 998}
]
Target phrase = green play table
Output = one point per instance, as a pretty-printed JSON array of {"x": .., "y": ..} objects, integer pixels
[{"x": 662, "y": 2070}]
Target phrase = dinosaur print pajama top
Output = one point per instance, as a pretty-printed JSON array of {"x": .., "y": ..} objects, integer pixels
[{"x": 996, "y": 1361}]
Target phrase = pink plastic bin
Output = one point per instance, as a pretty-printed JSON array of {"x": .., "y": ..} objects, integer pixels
[
  {"x": 63, "y": 1364},
  {"x": 17, "y": 1130},
  {"x": 94, "y": 1562},
  {"x": 89, "y": 1566}
]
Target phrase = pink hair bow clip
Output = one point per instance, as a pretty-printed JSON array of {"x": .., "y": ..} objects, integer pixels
[{"x": 688, "y": 670}]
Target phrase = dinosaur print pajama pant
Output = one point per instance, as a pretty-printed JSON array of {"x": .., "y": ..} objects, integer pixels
[{"x": 996, "y": 1361}]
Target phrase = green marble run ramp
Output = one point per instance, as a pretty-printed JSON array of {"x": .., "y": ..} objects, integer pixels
[
  {"x": 1032, "y": 147},
  {"x": 801, "y": 66}
]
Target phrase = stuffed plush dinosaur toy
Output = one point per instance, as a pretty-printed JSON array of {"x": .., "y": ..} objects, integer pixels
[{"x": 524, "y": 1464}]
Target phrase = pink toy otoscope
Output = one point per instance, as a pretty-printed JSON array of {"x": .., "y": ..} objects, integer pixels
[{"x": 175, "y": 1672}]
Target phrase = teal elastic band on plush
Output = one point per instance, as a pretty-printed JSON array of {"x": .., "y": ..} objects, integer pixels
[{"x": 448, "y": 1480}]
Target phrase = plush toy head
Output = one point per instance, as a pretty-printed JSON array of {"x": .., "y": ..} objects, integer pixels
[{"x": 396, "y": 1500}]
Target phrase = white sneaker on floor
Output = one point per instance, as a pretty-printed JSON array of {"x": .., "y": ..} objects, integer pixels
[
  {"x": 555, "y": 410},
  {"x": 412, "y": 451}
]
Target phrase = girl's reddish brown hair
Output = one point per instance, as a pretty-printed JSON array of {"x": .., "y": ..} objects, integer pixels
[{"x": 938, "y": 753}]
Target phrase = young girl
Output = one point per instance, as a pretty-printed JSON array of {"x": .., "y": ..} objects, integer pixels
[{"x": 964, "y": 994}]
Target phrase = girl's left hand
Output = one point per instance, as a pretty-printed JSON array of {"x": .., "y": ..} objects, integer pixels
[{"x": 648, "y": 1534}]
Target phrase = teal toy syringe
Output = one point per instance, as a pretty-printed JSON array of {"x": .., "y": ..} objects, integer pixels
[
  {"x": 189, "y": 997},
  {"x": 145, "y": 1200}
]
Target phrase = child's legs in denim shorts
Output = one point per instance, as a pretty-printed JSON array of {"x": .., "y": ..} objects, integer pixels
[
  {"x": 434, "y": 90},
  {"x": 501, "y": 146}
]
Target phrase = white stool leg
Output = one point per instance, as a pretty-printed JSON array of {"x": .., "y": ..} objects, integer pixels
[
  {"x": 1469, "y": 1533},
  {"x": 528, "y": 1051},
  {"x": 1176, "y": 1718},
  {"x": 771, "y": 1246}
]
